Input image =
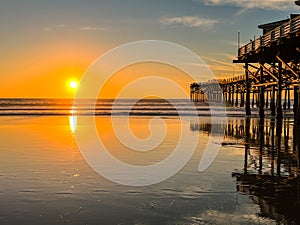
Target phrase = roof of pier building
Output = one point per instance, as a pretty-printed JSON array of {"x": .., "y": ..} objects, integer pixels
[
  {"x": 270, "y": 26},
  {"x": 267, "y": 27}
]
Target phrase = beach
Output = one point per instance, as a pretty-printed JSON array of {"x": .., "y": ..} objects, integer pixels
[{"x": 150, "y": 112}]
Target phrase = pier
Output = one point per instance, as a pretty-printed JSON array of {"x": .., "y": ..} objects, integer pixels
[{"x": 272, "y": 72}]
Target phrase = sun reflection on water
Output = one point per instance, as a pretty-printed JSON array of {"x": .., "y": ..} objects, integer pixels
[{"x": 73, "y": 120}]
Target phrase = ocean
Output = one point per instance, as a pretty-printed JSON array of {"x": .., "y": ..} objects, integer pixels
[{"x": 103, "y": 107}]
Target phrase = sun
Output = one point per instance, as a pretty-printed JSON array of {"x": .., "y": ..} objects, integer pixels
[{"x": 73, "y": 84}]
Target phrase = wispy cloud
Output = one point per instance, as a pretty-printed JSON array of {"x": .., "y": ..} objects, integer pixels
[
  {"x": 224, "y": 68},
  {"x": 229, "y": 43},
  {"x": 190, "y": 21},
  {"x": 68, "y": 27},
  {"x": 90, "y": 28},
  {"x": 55, "y": 27},
  {"x": 250, "y": 4}
]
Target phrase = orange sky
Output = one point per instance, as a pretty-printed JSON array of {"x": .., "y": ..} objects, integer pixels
[
  {"x": 45, "y": 70},
  {"x": 131, "y": 73},
  {"x": 48, "y": 71}
]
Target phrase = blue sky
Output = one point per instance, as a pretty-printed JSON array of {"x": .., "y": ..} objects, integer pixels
[{"x": 91, "y": 27}]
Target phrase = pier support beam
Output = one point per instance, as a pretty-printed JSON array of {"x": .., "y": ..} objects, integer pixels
[
  {"x": 253, "y": 98},
  {"x": 242, "y": 99},
  {"x": 232, "y": 95},
  {"x": 248, "y": 109},
  {"x": 279, "y": 92},
  {"x": 237, "y": 96},
  {"x": 229, "y": 96},
  {"x": 257, "y": 98},
  {"x": 261, "y": 94},
  {"x": 272, "y": 104},
  {"x": 267, "y": 100},
  {"x": 295, "y": 108},
  {"x": 285, "y": 99},
  {"x": 298, "y": 108},
  {"x": 289, "y": 99}
]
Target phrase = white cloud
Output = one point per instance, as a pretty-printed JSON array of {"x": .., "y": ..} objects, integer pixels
[
  {"x": 55, "y": 27},
  {"x": 89, "y": 28},
  {"x": 47, "y": 29},
  {"x": 190, "y": 21},
  {"x": 249, "y": 4},
  {"x": 68, "y": 27},
  {"x": 224, "y": 68}
]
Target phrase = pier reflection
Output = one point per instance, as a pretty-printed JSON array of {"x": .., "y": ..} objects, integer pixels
[{"x": 271, "y": 171}]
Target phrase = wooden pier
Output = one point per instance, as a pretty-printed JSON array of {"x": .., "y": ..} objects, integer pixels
[{"x": 272, "y": 72}]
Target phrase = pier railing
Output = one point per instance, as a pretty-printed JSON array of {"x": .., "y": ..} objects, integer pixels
[{"x": 274, "y": 35}]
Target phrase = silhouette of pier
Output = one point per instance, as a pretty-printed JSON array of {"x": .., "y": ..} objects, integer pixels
[{"x": 272, "y": 73}]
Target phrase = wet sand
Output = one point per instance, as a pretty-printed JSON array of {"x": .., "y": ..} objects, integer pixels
[{"x": 45, "y": 180}]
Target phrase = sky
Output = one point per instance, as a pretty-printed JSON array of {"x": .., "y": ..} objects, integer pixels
[{"x": 46, "y": 44}]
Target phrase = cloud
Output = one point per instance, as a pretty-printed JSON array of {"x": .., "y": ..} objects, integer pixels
[
  {"x": 224, "y": 68},
  {"x": 67, "y": 27},
  {"x": 281, "y": 5},
  {"x": 55, "y": 27},
  {"x": 47, "y": 29},
  {"x": 190, "y": 21},
  {"x": 89, "y": 28}
]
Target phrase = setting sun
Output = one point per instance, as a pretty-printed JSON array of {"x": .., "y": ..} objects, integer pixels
[{"x": 73, "y": 84}]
